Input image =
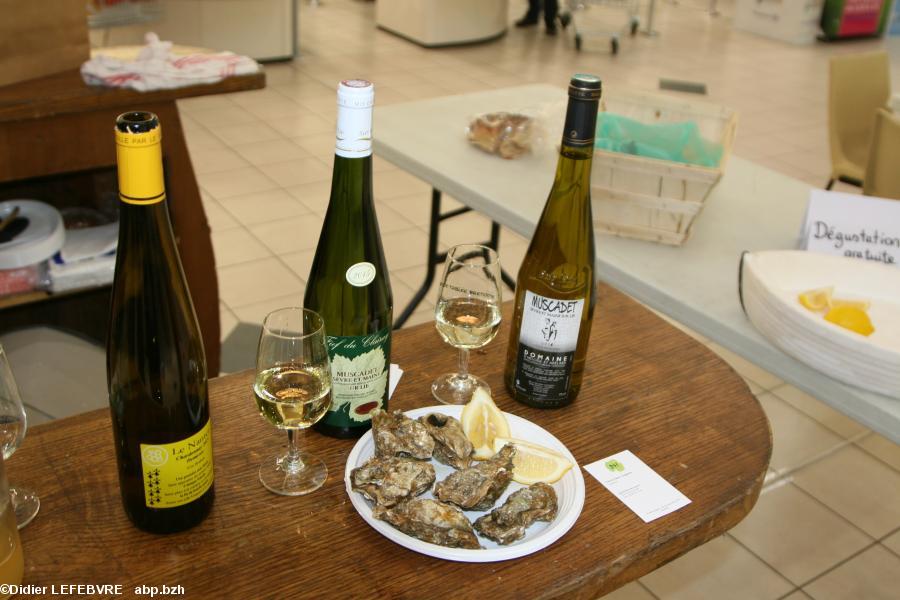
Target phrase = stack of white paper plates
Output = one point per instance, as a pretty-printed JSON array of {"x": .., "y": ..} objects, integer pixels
[{"x": 770, "y": 284}]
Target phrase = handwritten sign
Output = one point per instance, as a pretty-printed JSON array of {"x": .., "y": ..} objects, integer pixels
[{"x": 854, "y": 226}]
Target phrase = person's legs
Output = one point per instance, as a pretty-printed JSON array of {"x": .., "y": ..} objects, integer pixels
[
  {"x": 551, "y": 8},
  {"x": 531, "y": 17}
]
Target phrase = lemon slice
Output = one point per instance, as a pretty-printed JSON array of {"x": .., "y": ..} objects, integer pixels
[
  {"x": 816, "y": 300},
  {"x": 852, "y": 318},
  {"x": 482, "y": 421},
  {"x": 862, "y": 305},
  {"x": 533, "y": 463}
]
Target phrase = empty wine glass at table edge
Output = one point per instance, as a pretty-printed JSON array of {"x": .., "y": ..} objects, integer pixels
[
  {"x": 292, "y": 391},
  {"x": 13, "y": 424},
  {"x": 467, "y": 315}
]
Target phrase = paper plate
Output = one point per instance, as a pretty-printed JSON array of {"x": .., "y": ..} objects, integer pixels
[{"x": 569, "y": 491}]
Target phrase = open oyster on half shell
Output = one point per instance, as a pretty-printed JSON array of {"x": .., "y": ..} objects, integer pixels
[
  {"x": 431, "y": 521},
  {"x": 395, "y": 434},
  {"x": 479, "y": 486},
  {"x": 508, "y": 523},
  {"x": 451, "y": 446},
  {"x": 387, "y": 481}
]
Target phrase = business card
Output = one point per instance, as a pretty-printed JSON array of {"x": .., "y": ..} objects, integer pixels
[{"x": 638, "y": 486}]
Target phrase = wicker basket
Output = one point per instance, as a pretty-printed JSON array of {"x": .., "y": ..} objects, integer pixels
[{"x": 653, "y": 199}]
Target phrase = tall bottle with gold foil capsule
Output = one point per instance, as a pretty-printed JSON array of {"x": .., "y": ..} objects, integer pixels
[
  {"x": 555, "y": 289},
  {"x": 155, "y": 362}
]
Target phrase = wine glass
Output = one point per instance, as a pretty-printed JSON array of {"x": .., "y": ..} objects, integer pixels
[
  {"x": 12, "y": 430},
  {"x": 292, "y": 391},
  {"x": 467, "y": 315}
]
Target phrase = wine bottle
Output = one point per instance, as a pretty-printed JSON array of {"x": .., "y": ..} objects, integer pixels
[
  {"x": 348, "y": 283},
  {"x": 155, "y": 363},
  {"x": 555, "y": 288}
]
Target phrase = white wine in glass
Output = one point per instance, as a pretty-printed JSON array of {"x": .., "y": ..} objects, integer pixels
[
  {"x": 13, "y": 423},
  {"x": 467, "y": 315}
]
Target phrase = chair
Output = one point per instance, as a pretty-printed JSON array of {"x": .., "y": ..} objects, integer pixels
[
  {"x": 859, "y": 84},
  {"x": 883, "y": 169}
]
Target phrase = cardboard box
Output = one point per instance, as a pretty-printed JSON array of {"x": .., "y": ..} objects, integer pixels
[{"x": 792, "y": 21}]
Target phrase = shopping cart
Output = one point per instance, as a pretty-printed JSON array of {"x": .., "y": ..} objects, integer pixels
[{"x": 607, "y": 10}]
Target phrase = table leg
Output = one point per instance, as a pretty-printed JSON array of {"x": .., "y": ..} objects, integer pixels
[{"x": 434, "y": 258}]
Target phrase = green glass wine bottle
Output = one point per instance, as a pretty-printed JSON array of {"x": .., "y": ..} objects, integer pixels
[
  {"x": 555, "y": 288},
  {"x": 348, "y": 283},
  {"x": 155, "y": 363}
]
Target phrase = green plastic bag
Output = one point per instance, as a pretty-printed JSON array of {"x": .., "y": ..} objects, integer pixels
[{"x": 677, "y": 142}]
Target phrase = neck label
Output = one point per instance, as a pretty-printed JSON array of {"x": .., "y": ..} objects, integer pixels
[{"x": 354, "y": 119}]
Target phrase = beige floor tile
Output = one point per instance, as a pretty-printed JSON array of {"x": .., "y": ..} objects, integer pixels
[
  {"x": 882, "y": 448},
  {"x": 256, "y": 312},
  {"x": 200, "y": 137},
  {"x": 301, "y": 124},
  {"x": 796, "y": 535},
  {"x": 216, "y": 117},
  {"x": 213, "y": 160},
  {"x": 721, "y": 568},
  {"x": 315, "y": 196},
  {"x": 289, "y": 235},
  {"x": 390, "y": 220},
  {"x": 797, "y": 439},
  {"x": 416, "y": 208},
  {"x": 468, "y": 228},
  {"x": 798, "y": 595},
  {"x": 299, "y": 262},
  {"x": 872, "y": 502},
  {"x": 630, "y": 591},
  {"x": 892, "y": 542},
  {"x": 298, "y": 171},
  {"x": 227, "y": 321},
  {"x": 319, "y": 145},
  {"x": 235, "y": 182},
  {"x": 403, "y": 294},
  {"x": 404, "y": 249},
  {"x": 750, "y": 371},
  {"x": 271, "y": 151},
  {"x": 234, "y": 246},
  {"x": 422, "y": 315},
  {"x": 263, "y": 207},
  {"x": 392, "y": 184},
  {"x": 250, "y": 98},
  {"x": 204, "y": 103},
  {"x": 273, "y": 109},
  {"x": 246, "y": 133},
  {"x": 380, "y": 165},
  {"x": 873, "y": 575},
  {"x": 256, "y": 281},
  {"x": 821, "y": 412},
  {"x": 218, "y": 218}
]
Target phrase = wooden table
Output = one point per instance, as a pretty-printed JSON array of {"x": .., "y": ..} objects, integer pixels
[
  {"x": 58, "y": 125},
  {"x": 647, "y": 387}
]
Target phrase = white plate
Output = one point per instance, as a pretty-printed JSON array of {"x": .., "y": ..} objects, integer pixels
[{"x": 569, "y": 491}]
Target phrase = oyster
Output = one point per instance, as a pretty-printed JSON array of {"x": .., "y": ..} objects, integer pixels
[
  {"x": 508, "y": 523},
  {"x": 478, "y": 487},
  {"x": 451, "y": 446},
  {"x": 395, "y": 434},
  {"x": 390, "y": 480},
  {"x": 430, "y": 521}
]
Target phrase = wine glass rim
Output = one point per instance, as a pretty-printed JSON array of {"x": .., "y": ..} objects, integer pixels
[
  {"x": 303, "y": 311},
  {"x": 492, "y": 256}
]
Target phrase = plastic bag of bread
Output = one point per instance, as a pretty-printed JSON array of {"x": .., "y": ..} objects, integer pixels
[{"x": 507, "y": 134}]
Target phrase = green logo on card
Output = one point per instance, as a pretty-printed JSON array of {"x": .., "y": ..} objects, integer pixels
[{"x": 614, "y": 465}]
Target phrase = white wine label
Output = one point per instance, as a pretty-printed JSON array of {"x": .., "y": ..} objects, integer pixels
[
  {"x": 361, "y": 274},
  {"x": 359, "y": 377},
  {"x": 355, "y": 98},
  {"x": 547, "y": 341},
  {"x": 178, "y": 473}
]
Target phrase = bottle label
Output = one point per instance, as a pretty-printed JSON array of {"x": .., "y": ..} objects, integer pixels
[
  {"x": 361, "y": 274},
  {"x": 547, "y": 342},
  {"x": 359, "y": 377},
  {"x": 180, "y": 472},
  {"x": 354, "y": 119}
]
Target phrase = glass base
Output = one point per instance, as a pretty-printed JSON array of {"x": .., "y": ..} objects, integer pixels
[
  {"x": 308, "y": 476},
  {"x": 26, "y": 504},
  {"x": 454, "y": 388}
]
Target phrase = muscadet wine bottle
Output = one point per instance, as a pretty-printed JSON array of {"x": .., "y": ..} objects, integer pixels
[
  {"x": 348, "y": 283},
  {"x": 155, "y": 363},
  {"x": 555, "y": 288}
]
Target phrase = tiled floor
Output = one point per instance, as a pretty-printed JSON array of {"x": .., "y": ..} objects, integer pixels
[{"x": 263, "y": 160}]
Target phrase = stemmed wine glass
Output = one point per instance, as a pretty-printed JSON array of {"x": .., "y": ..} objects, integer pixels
[
  {"x": 293, "y": 391},
  {"x": 12, "y": 430},
  {"x": 467, "y": 315}
]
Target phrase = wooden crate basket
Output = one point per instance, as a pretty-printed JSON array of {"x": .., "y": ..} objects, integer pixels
[{"x": 652, "y": 199}]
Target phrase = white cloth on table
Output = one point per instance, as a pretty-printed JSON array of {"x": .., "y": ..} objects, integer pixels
[{"x": 157, "y": 68}]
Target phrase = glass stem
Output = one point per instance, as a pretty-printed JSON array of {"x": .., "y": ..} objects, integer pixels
[
  {"x": 463, "y": 363},
  {"x": 292, "y": 463}
]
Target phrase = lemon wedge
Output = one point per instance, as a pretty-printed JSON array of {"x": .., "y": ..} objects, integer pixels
[
  {"x": 816, "y": 300},
  {"x": 862, "y": 305},
  {"x": 533, "y": 463},
  {"x": 482, "y": 422},
  {"x": 852, "y": 318}
]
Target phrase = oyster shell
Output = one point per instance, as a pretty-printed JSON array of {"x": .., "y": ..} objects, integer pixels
[
  {"x": 430, "y": 521},
  {"x": 508, "y": 523},
  {"x": 395, "y": 434},
  {"x": 451, "y": 446},
  {"x": 390, "y": 480},
  {"x": 478, "y": 487}
]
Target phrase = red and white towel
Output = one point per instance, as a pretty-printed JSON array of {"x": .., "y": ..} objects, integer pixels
[{"x": 156, "y": 68}]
